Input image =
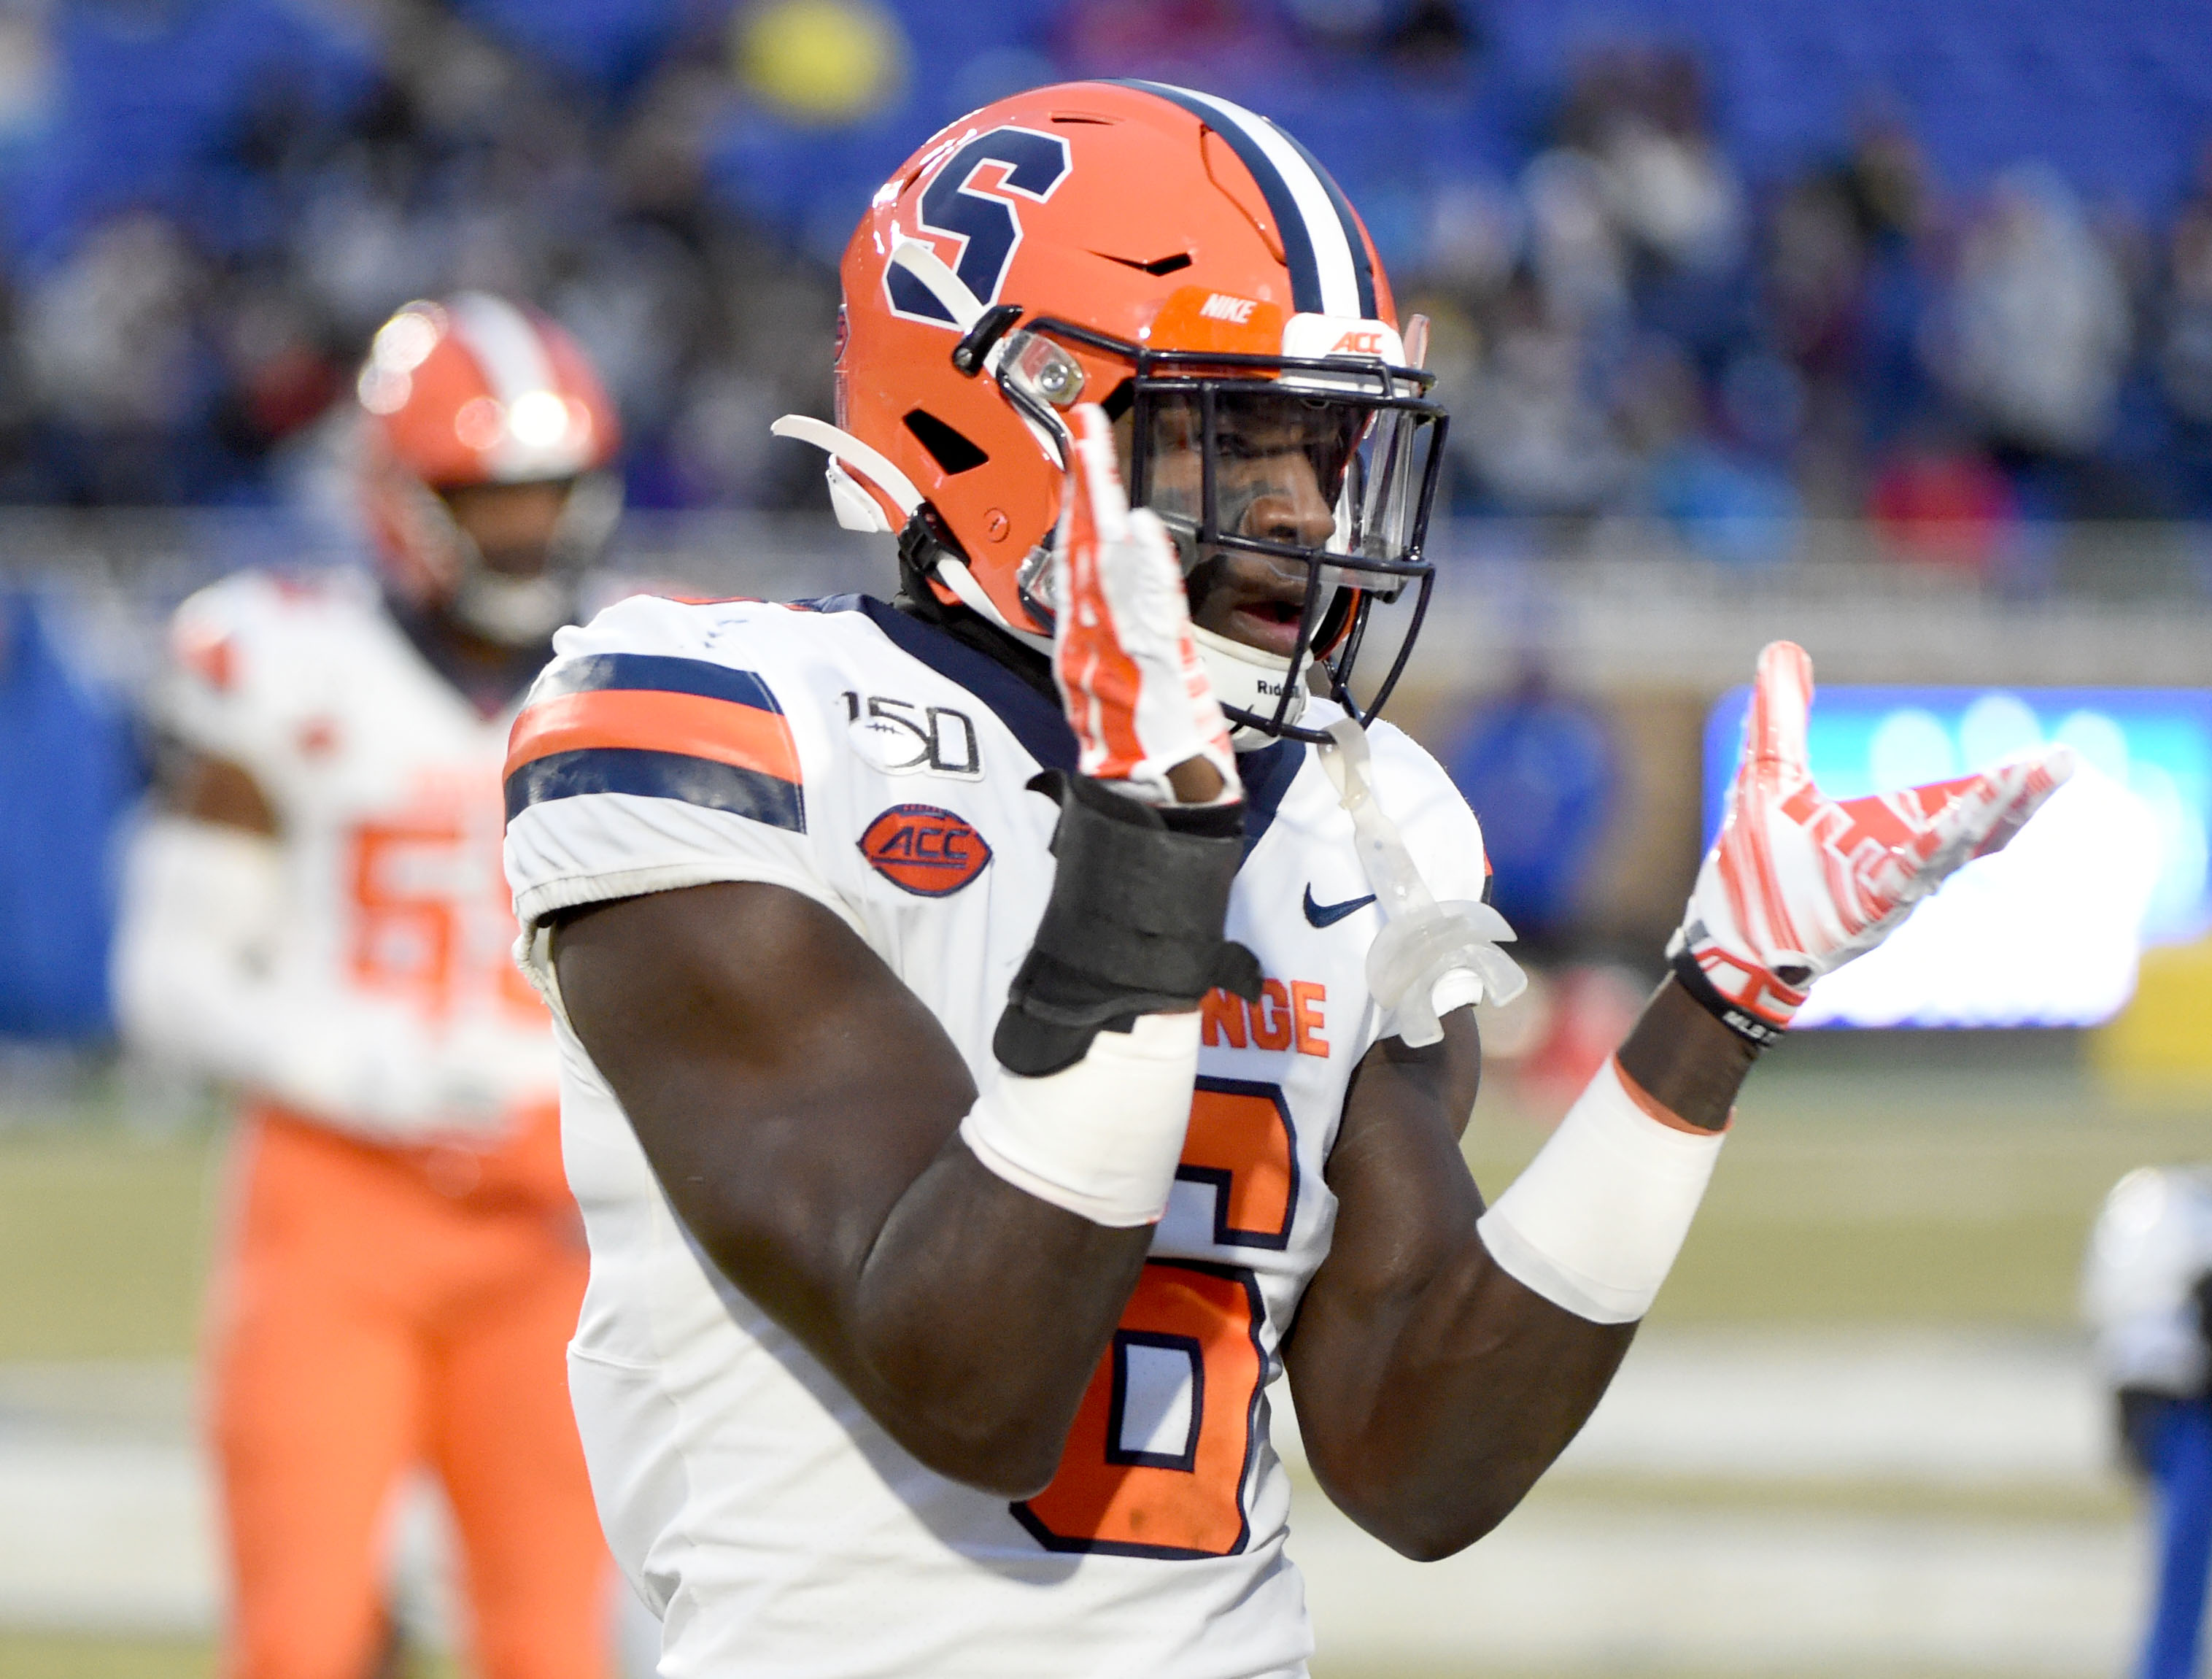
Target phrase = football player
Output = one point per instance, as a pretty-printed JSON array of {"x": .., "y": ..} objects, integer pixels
[
  {"x": 1006, "y": 1029},
  {"x": 2146, "y": 1288},
  {"x": 316, "y": 916}
]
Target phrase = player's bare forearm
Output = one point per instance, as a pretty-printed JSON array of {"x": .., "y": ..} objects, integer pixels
[
  {"x": 800, "y": 1108},
  {"x": 1433, "y": 1388},
  {"x": 1686, "y": 1061}
]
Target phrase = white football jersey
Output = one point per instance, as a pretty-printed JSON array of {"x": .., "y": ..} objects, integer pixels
[
  {"x": 876, "y": 765},
  {"x": 384, "y": 783}
]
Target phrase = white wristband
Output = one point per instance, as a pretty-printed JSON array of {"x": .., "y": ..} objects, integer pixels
[
  {"x": 1102, "y": 1137},
  {"x": 1594, "y": 1223}
]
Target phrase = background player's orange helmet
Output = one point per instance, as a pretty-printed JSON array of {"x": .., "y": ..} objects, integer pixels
[
  {"x": 475, "y": 391},
  {"x": 1176, "y": 258}
]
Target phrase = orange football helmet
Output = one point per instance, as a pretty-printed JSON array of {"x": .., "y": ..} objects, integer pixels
[
  {"x": 1187, "y": 265},
  {"x": 476, "y": 390}
]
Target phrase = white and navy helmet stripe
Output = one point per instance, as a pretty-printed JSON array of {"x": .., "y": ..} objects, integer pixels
[
  {"x": 505, "y": 345},
  {"x": 1331, "y": 272}
]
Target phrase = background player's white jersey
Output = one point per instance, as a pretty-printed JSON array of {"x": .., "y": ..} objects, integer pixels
[
  {"x": 876, "y": 766},
  {"x": 384, "y": 780}
]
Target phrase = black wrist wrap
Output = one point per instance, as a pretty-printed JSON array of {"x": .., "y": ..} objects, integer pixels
[
  {"x": 1745, "y": 1025},
  {"x": 1133, "y": 925}
]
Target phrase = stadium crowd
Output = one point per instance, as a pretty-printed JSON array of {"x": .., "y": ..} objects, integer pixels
[{"x": 207, "y": 204}]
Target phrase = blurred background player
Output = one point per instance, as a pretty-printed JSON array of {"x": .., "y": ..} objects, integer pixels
[
  {"x": 2146, "y": 1288},
  {"x": 316, "y": 914}
]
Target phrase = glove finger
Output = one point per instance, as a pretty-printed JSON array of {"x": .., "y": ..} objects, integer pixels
[
  {"x": 1163, "y": 572},
  {"x": 1983, "y": 818},
  {"x": 2027, "y": 783},
  {"x": 1780, "y": 699},
  {"x": 1095, "y": 473}
]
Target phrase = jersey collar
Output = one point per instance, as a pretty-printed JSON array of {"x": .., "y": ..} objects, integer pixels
[{"x": 1038, "y": 722}]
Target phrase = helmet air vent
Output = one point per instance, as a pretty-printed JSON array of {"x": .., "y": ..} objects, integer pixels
[
  {"x": 1158, "y": 266},
  {"x": 953, "y": 453}
]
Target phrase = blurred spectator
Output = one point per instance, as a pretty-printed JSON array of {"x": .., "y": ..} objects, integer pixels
[
  {"x": 2183, "y": 348},
  {"x": 1944, "y": 502},
  {"x": 1642, "y": 116},
  {"x": 2037, "y": 327},
  {"x": 1717, "y": 480},
  {"x": 1538, "y": 769},
  {"x": 209, "y": 203},
  {"x": 1528, "y": 425}
]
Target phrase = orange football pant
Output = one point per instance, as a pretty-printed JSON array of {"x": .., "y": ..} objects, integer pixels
[{"x": 378, "y": 1308}]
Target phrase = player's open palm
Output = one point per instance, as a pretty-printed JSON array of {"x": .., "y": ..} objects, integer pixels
[
  {"x": 1129, "y": 670},
  {"x": 1798, "y": 884}
]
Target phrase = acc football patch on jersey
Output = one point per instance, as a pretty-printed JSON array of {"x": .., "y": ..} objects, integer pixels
[
  {"x": 657, "y": 727},
  {"x": 924, "y": 850}
]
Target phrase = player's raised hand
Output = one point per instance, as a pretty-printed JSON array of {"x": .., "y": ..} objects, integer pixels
[
  {"x": 1797, "y": 884},
  {"x": 1129, "y": 670}
]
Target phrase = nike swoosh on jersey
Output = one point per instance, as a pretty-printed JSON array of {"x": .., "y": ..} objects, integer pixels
[{"x": 1328, "y": 914}]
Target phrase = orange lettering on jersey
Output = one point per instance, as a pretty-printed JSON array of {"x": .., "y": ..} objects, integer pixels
[
  {"x": 1221, "y": 1018},
  {"x": 1306, "y": 1020},
  {"x": 1285, "y": 1017},
  {"x": 1271, "y": 1019}
]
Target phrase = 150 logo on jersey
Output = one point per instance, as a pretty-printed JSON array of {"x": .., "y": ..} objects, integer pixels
[
  {"x": 901, "y": 737},
  {"x": 924, "y": 849}
]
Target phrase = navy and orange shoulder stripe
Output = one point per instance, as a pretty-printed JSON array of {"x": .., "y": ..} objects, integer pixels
[{"x": 657, "y": 727}]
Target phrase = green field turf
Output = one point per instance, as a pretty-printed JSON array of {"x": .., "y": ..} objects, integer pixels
[
  {"x": 1852, "y": 1193},
  {"x": 1849, "y": 1193},
  {"x": 104, "y": 1242},
  {"x": 1846, "y": 1196}
]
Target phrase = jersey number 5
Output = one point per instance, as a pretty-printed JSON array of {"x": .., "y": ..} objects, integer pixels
[{"x": 1162, "y": 1442}]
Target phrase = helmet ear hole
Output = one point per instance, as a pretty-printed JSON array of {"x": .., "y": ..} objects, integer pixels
[{"x": 953, "y": 452}]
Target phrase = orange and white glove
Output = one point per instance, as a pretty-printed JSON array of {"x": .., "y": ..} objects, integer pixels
[
  {"x": 1797, "y": 884},
  {"x": 1122, "y": 653}
]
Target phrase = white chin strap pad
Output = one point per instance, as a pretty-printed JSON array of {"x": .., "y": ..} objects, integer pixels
[{"x": 1247, "y": 678}]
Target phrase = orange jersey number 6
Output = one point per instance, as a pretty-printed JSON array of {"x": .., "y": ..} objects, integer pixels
[{"x": 1162, "y": 1446}]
